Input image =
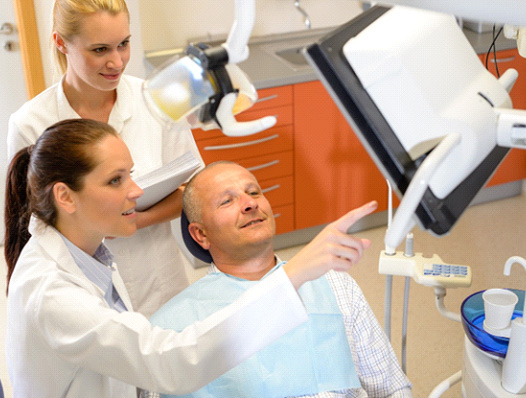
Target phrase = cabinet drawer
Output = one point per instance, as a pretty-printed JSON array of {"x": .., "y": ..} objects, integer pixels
[
  {"x": 277, "y": 139},
  {"x": 284, "y": 216},
  {"x": 269, "y": 166},
  {"x": 283, "y": 115},
  {"x": 504, "y": 58},
  {"x": 278, "y": 191},
  {"x": 271, "y": 97}
]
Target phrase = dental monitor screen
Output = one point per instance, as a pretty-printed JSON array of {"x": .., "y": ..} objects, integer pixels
[{"x": 407, "y": 81}]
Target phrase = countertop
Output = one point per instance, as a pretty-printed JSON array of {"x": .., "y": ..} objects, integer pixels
[{"x": 266, "y": 69}]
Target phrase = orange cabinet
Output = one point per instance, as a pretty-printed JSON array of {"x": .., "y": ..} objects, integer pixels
[
  {"x": 333, "y": 172},
  {"x": 513, "y": 167},
  {"x": 268, "y": 154},
  {"x": 284, "y": 216}
]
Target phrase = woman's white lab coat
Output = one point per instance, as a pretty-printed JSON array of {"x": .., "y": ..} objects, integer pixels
[{"x": 64, "y": 341}]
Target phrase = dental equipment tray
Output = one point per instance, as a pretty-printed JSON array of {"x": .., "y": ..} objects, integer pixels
[{"x": 375, "y": 133}]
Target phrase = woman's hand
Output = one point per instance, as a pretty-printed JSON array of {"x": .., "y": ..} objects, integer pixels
[
  {"x": 332, "y": 249},
  {"x": 165, "y": 210}
]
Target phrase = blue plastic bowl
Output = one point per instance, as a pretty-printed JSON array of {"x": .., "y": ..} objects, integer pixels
[{"x": 472, "y": 310}]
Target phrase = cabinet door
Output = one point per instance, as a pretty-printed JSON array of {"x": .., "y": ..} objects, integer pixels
[
  {"x": 513, "y": 167},
  {"x": 333, "y": 172}
]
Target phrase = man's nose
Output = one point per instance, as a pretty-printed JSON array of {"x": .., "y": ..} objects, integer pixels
[{"x": 249, "y": 203}]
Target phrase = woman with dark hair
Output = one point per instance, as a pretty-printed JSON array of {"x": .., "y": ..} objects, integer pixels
[
  {"x": 71, "y": 330},
  {"x": 60, "y": 162}
]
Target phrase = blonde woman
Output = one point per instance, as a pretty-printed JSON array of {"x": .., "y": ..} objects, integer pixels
[{"x": 91, "y": 45}]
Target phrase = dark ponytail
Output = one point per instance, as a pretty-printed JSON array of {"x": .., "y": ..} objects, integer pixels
[
  {"x": 63, "y": 153},
  {"x": 17, "y": 213}
]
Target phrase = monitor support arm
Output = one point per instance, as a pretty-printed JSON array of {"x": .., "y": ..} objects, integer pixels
[
  {"x": 403, "y": 220},
  {"x": 511, "y": 128}
]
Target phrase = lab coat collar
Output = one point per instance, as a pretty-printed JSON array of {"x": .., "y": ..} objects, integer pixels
[
  {"x": 51, "y": 242},
  {"x": 64, "y": 110},
  {"x": 120, "y": 113}
]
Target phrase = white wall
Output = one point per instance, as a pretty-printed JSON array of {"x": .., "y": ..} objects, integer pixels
[
  {"x": 170, "y": 23},
  {"x": 161, "y": 24}
]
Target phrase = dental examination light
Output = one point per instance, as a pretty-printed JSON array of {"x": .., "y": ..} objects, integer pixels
[
  {"x": 205, "y": 86},
  {"x": 436, "y": 123}
]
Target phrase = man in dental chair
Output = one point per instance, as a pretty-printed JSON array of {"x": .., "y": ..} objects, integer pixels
[{"x": 340, "y": 352}]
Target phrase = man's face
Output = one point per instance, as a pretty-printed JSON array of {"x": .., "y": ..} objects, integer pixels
[{"x": 236, "y": 219}]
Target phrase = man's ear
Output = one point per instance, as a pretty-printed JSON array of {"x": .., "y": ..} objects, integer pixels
[
  {"x": 199, "y": 235},
  {"x": 59, "y": 43},
  {"x": 64, "y": 197}
]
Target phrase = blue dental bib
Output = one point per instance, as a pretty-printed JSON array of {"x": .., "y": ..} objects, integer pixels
[{"x": 312, "y": 358}]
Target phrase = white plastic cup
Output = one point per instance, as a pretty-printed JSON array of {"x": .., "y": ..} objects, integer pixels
[{"x": 499, "y": 305}]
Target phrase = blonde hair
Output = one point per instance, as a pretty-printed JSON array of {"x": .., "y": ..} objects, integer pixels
[{"x": 67, "y": 20}]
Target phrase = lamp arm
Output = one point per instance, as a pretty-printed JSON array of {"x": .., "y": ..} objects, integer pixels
[{"x": 236, "y": 44}]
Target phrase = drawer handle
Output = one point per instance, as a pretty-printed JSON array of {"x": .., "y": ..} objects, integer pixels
[
  {"x": 241, "y": 144},
  {"x": 509, "y": 59},
  {"x": 263, "y": 166},
  {"x": 272, "y": 188},
  {"x": 277, "y": 215},
  {"x": 270, "y": 97}
]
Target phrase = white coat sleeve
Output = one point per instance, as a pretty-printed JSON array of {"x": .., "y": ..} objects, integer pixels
[
  {"x": 81, "y": 330},
  {"x": 16, "y": 139}
]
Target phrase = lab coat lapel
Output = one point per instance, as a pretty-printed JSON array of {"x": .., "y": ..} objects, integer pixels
[
  {"x": 118, "y": 283},
  {"x": 64, "y": 109},
  {"x": 121, "y": 112},
  {"x": 50, "y": 242}
]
